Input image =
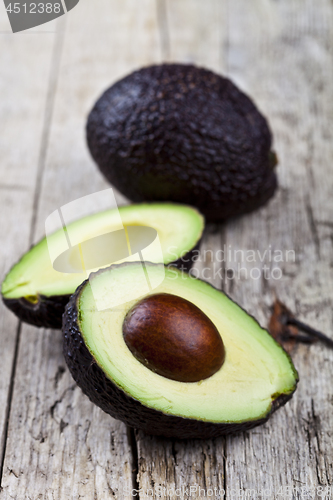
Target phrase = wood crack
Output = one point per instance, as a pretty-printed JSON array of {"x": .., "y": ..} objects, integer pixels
[
  {"x": 174, "y": 451},
  {"x": 58, "y": 401},
  {"x": 225, "y": 468},
  {"x": 135, "y": 461},
  {"x": 9, "y": 401},
  {"x": 312, "y": 225},
  {"x": 58, "y": 376}
]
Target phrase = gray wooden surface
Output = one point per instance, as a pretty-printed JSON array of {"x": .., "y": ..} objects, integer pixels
[{"x": 54, "y": 443}]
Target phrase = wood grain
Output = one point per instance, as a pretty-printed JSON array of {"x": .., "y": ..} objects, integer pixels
[{"x": 22, "y": 119}]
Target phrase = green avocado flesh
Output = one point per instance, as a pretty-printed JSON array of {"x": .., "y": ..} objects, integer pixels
[
  {"x": 178, "y": 227},
  {"x": 255, "y": 372}
]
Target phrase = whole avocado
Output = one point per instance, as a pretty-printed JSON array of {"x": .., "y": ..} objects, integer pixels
[{"x": 181, "y": 133}]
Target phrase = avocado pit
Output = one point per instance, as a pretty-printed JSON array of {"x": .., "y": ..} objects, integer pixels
[{"x": 173, "y": 338}]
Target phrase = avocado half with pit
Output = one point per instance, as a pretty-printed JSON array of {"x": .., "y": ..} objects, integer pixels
[
  {"x": 181, "y": 133},
  {"x": 171, "y": 355},
  {"x": 37, "y": 289}
]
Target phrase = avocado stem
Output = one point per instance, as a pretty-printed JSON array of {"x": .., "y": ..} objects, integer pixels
[
  {"x": 313, "y": 334},
  {"x": 304, "y": 339},
  {"x": 285, "y": 328}
]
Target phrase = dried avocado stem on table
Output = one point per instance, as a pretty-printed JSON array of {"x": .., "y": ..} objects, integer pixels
[{"x": 285, "y": 328}]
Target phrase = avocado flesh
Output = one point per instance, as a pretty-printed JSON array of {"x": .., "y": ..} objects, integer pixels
[
  {"x": 256, "y": 370},
  {"x": 33, "y": 279}
]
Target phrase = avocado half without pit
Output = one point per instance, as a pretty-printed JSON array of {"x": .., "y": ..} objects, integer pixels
[
  {"x": 181, "y": 133},
  {"x": 171, "y": 355},
  {"x": 37, "y": 289}
]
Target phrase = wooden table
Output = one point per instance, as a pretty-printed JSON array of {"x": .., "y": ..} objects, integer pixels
[{"x": 54, "y": 443}]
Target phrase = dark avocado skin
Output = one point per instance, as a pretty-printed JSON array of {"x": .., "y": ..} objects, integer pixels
[
  {"x": 114, "y": 401},
  {"x": 48, "y": 311},
  {"x": 180, "y": 133}
]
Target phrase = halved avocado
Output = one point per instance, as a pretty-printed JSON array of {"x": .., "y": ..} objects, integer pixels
[
  {"x": 253, "y": 377},
  {"x": 37, "y": 290}
]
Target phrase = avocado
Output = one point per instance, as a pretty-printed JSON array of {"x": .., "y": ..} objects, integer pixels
[
  {"x": 125, "y": 357},
  {"x": 37, "y": 289},
  {"x": 181, "y": 133}
]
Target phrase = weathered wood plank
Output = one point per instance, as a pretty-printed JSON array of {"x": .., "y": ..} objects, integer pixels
[
  {"x": 22, "y": 119},
  {"x": 71, "y": 449},
  {"x": 170, "y": 467},
  {"x": 59, "y": 444},
  {"x": 196, "y": 31},
  {"x": 287, "y": 67}
]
